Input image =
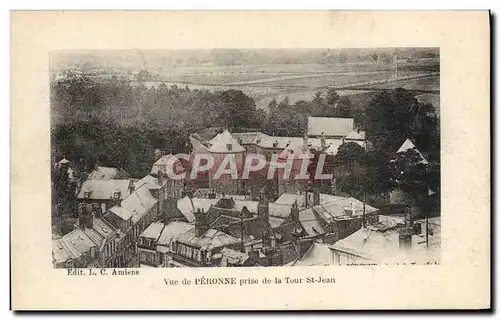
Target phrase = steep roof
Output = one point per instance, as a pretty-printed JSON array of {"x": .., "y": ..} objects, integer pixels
[
  {"x": 342, "y": 208},
  {"x": 310, "y": 223},
  {"x": 186, "y": 208},
  {"x": 172, "y": 231},
  {"x": 250, "y": 137},
  {"x": 211, "y": 239},
  {"x": 104, "y": 189},
  {"x": 407, "y": 145},
  {"x": 149, "y": 181},
  {"x": 71, "y": 246},
  {"x": 234, "y": 257},
  {"x": 153, "y": 231},
  {"x": 108, "y": 173},
  {"x": 318, "y": 255},
  {"x": 316, "y": 126},
  {"x": 220, "y": 143},
  {"x": 168, "y": 160},
  {"x": 136, "y": 205}
]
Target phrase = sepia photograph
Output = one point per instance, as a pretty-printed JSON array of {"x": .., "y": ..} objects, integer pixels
[
  {"x": 254, "y": 160},
  {"x": 245, "y": 158}
]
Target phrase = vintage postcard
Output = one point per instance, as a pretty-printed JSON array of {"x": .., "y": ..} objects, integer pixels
[{"x": 250, "y": 160}]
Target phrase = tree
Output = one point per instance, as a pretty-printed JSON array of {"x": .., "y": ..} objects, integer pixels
[
  {"x": 389, "y": 119},
  {"x": 332, "y": 96},
  {"x": 410, "y": 173},
  {"x": 351, "y": 170}
]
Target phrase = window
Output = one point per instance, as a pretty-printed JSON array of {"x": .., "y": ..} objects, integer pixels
[
  {"x": 69, "y": 264},
  {"x": 117, "y": 195},
  {"x": 229, "y": 147}
]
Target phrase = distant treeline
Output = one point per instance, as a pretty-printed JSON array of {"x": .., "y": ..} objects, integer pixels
[{"x": 117, "y": 124}]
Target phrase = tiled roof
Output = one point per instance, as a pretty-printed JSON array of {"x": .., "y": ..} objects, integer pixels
[
  {"x": 150, "y": 182},
  {"x": 136, "y": 205},
  {"x": 104, "y": 189},
  {"x": 211, "y": 239},
  {"x": 153, "y": 231},
  {"x": 168, "y": 160},
  {"x": 310, "y": 223},
  {"x": 108, "y": 173},
  {"x": 318, "y": 255},
  {"x": 220, "y": 144},
  {"x": 342, "y": 208},
  {"x": 250, "y": 137},
  {"x": 234, "y": 257},
  {"x": 279, "y": 210},
  {"x": 316, "y": 126},
  {"x": 71, "y": 246},
  {"x": 173, "y": 230},
  {"x": 186, "y": 208}
]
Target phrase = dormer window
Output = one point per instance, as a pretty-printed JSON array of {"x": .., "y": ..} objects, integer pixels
[
  {"x": 86, "y": 194},
  {"x": 229, "y": 147},
  {"x": 275, "y": 144},
  {"x": 116, "y": 195}
]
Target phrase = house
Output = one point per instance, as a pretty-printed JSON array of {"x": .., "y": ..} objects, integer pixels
[
  {"x": 105, "y": 193},
  {"x": 74, "y": 250},
  {"x": 130, "y": 217},
  {"x": 108, "y": 173},
  {"x": 329, "y": 127},
  {"x": 386, "y": 243},
  {"x": 165, "y": 168},
  {"x": 319, "y": 254},
  {"x": 154, "y": 243},
  {"x": 232, "y": 258},
  {"x": 197, "y": 246}
]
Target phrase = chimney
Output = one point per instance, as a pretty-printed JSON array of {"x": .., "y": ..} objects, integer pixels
[
  {"x": 405, "y": 241},
  {"x": 263, "y": 209},
  {"x": 323, "y": 141},
  {"x": 86, "y": 221},
  {"x": 96, "y": 210},
  {"x": 353, "y": 208},
  {"x": 306, "y": 142},
  {"x": 199, "y": 225},
  {"x": 316, "y": 198},
  {"x": 294, "y": 212}
]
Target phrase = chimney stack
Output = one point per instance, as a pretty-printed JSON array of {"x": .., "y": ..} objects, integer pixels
[
  {"x": 199, "y": 225},
  {"x": 306, "y": 142},
  {"x": 323, "y": 141},
  {"x": 263, "y": 209},
  {"x": 294, "y": 212},
  {"x": 316, "y": 198}
]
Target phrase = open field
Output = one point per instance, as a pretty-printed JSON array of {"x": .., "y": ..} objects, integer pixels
[{"x": 300, "y": 81}]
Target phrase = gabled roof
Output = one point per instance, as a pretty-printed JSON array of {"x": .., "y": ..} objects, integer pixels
[
  {"x": 220, "y": 143},
  {"x": 108, "y": 173},
  {"x": 383, "y": 246},
  {"x": 104, "y": 189},
  {"x": 186, "y": 208},
  {"x": 234, "y": 257},
  {"x": 250, "y": 137},
  {"x": 172, "y": 231},
  {"x": 310, "y": 223},
  {"x": 342, "y": 208},
  {"x": 317, "y": 126},
  {"x": 153, "y": 231},
  {"x": 318, "y": 254},
  {"x": 407, "y": 145},
  {"x": 168, "y": 160},
  {"x": 64, "y": 161},
  {"x": 149, "y": 181},
  {"x": 136, "y": 205},
  {"x": 71, "y": 246},
  {"x": 211, "y": 239}
]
